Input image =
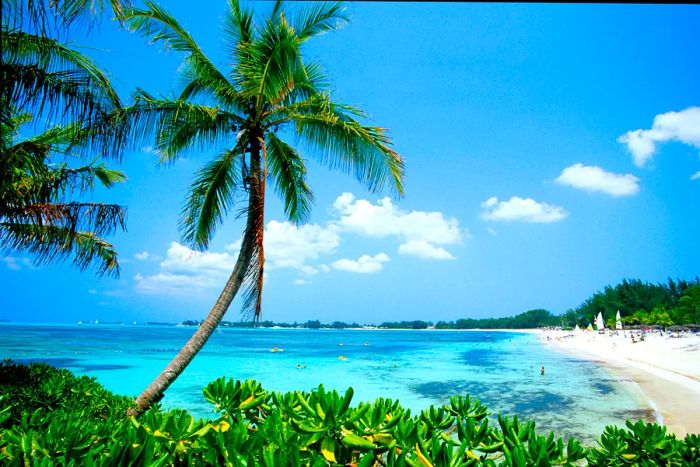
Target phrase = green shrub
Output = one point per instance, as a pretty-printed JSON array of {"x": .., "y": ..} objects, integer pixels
[{"x": 50, "y": 417}]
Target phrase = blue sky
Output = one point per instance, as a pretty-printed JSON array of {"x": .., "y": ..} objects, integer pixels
[{"x": 550, "y": 150}]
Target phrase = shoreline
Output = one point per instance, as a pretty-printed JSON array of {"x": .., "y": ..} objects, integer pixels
[{"x": 666, "y": 370}]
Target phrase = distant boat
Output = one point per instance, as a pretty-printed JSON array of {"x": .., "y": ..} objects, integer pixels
[{"x": 618, "y": 320}]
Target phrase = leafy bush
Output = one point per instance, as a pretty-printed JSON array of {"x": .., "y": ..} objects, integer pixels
[{"x": 48, "y": 416}]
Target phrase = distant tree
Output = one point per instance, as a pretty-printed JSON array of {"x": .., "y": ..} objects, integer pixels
[
  {"x": 313, "y": 324},
  {"x": 688, "y": 309}
]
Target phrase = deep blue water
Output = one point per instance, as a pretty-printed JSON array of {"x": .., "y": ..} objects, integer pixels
[{"x": 502, "y": 369}]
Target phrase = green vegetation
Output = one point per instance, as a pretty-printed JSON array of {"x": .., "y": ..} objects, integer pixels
[
  {"x": 673, "y": 303},
  {"x": 528, "y": 320},
  {"x": 48, "y": 416},
  {"x": 640, "y": 303}
]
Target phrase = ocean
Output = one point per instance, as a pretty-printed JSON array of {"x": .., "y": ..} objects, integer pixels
[{"x": 502, "y": 369}]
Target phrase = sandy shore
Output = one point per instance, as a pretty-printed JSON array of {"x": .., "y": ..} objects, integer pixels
[{"x": 666, "y": 369}]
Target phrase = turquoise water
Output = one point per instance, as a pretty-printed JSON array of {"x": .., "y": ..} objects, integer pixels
[{"x": 420, "y": 368}]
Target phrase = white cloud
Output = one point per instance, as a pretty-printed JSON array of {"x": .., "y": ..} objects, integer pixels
[
  {"x": 185, "y": 271},
  {"x": 365, "y": 264},
  {"x": 424, "y": 250},
  {"x": 286, "y": 246},
  {"x": 180, "y": 258},
  {"x": 291, "y": 246},
  {"x": 683, "y": 126},
  {"x": 592, "y": 178},
  {"x": 695, "y": 176},
  {"x": 144, "y": 255},
  {"x": 175, "y": 284},
  {"x": 491, "y": 231},
  {"x": 304, "y": 248},
  {"x": 523, "y": 210},
  {"x": 17, "y": 264},
  {"x": 92, "y": 291},
  {"x": 384, "y": 219}
]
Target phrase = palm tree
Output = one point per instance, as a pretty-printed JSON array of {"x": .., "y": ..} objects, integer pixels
[
  {"x": 42, "y": 80},
  {"x": 36, "y": 212},
  {"x": 269, "y": 93}
]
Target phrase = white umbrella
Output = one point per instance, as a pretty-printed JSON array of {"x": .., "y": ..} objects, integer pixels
[
  {"x": 599, "y": 323},
  {"x": 618, "y": 321}
]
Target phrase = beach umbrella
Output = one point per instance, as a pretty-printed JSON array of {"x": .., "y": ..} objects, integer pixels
[
  {"x": 618, "y": 320},
  {"x": 599, "y": 323}
]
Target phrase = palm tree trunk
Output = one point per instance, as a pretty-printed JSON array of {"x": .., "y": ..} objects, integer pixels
[{"x": 154, "y": 392}]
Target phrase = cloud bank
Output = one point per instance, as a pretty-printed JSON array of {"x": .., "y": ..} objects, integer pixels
[
  {"x": 419, "y": 231},
  {"x": 309, "y": 248}
]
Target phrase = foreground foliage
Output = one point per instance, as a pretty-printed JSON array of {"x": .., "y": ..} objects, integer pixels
[{"x": 48, "y": 416}]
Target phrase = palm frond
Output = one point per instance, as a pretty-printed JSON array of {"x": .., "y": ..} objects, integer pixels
[
  {"x": 49, "y": 243},
  {"x": 178, "y": 125},
  {"x": 55, "y": 16},
  {"x": 288, "y": 173},
  {"x": 212, "y": 194},
  {"x": 201, "y": 83},
  {"x": 101, "y": 219},
  {"x": 343, "y": 143},
  {"x": 238, "y": 27},
  {"x": 155, "y": 22},
  {"x": 50, "y": 55},
  {"x": 319, "y": 18},
  {"x": 266, "y": 72},
  {"x": 62, "y": 95}
]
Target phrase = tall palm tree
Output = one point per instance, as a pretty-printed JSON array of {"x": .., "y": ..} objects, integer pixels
[
  {"x": 269, "y": 93},
  {"x": 44, "y": 80}
]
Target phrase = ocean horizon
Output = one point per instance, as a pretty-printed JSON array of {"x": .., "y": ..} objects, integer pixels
[{"x": 501, "y": 368}]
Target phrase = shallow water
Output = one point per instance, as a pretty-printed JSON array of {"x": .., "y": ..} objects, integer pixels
[{"x": 420, "y": 368}]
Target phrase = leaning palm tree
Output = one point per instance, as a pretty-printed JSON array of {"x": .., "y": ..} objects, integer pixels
[{"x": 270, "y": 93}]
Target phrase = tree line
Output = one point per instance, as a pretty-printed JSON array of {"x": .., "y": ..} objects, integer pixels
[{"x": 675, "y": 302}]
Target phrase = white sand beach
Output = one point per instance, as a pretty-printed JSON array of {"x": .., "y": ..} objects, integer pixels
[{"x": 665, "y": 367}]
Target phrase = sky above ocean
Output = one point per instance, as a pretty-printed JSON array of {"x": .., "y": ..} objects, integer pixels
[{"x": 550, "y": 150}]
